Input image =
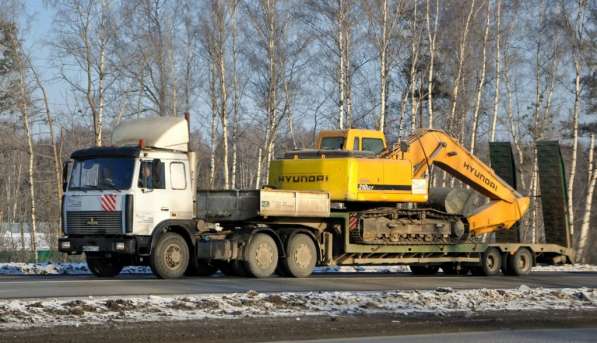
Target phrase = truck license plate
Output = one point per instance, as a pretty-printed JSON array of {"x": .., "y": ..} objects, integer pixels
[{"x": 90, "y": 248}]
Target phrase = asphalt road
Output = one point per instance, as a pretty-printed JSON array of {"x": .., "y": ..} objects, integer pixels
[
  {"x": 504, "y": 336},
  {"x": 74, "y": 286}
]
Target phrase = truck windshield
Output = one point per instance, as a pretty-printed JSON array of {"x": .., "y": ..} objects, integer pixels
[
  {"x": 332, "y": 143},
  {"x": 102, "y": 173}
]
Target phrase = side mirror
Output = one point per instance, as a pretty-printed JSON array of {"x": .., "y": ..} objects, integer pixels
[
  {"x": 65, "y": 172},
  {"x": 404, "y": 146}
]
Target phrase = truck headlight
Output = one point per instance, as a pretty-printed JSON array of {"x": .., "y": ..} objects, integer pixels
[
  {"x": 120, "y": 246},
  {"x": 65, "y": 245}
]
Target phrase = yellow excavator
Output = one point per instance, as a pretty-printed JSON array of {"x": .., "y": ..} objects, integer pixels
[{"x": 387, "y": 187}]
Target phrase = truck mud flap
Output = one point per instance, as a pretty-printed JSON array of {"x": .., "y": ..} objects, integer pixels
[
  {"x": 504, "y": 165},
  {"x": 554, "y": 199}
]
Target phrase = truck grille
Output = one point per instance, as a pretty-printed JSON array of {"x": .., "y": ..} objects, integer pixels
[{"x": 94, "y": 222}]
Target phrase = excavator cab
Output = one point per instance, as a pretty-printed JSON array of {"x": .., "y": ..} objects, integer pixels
[
  {"x": 352, "y": 140},
  {"x": 346, "y": 164}
]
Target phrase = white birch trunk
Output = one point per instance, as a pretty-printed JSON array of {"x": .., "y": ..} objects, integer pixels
[
  {"x": 432, "y": 39},
  {"x": 481, "y": 85},
  {"x": 574, "y": 153},
  {"x": 461, "y": 52},
  {"x": 585, "y": 228},
  {"x": 496, "y": 99}
]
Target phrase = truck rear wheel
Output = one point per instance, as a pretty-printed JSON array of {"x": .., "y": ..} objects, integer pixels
[
  {"x": 103, "y": 266},
  {"x": 170, "y": 256},
  {"x": 261, "y": 256},
  {"x": 423, "y": 269},
  {"x": 491, "y": 262},
  {"x": 301, "y": 256},
  {"x": 520, "y": 263}
]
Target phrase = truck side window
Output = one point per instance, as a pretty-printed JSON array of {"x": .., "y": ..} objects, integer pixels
[
  {"x": 178, "y": 179},
  {"x": 150, "y": 177},
  {"x": 355, "y": 144}
]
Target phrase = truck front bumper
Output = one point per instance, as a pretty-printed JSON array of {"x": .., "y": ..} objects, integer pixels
[{"x": 74, "y": 245}]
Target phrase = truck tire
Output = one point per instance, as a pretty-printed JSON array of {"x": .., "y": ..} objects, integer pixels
[
  {"x": 520, "y": 263},
  {"x": 423, "y": 269},
  {"x": 200, "y": 268},
  {"x": 102, "y": 266},
  {"x": 261, "y": 256},
  {"x": 491, "y": 263},
  {"x": 301, "y": 256},
  {"x": 170, "y": 256}
]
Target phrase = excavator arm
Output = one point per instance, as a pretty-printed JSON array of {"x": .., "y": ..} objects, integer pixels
[{"x": 427, "y": 147}]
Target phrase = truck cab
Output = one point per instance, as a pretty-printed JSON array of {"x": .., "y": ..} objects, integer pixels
[{"x": 118, "y": 200}]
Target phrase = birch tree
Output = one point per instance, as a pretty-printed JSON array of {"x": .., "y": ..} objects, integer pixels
[
  {"x": 584, "y": 235},
  {"x": 481, "y": 84},
  {"x": 432, "y": 38},
  {"x": 24, "y": 106},
  {"x": 85, "y": 31},
  {"x": 461, "y": 57}
]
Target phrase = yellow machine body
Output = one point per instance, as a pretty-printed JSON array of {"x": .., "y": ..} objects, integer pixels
[
  {"x": 351, "y": 178},
  {"x": 357, "y": 166}
]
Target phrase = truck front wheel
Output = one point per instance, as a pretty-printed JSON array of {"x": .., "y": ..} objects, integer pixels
[
  {"x": 301, "y": 256},
  {"x": 261, "y": 256},
  {"x": 170, "y": 256},
  {"x": 103, "y": 266}
]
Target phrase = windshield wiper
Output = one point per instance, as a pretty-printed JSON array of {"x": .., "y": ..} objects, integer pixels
[{"x": 111, "y": 185}]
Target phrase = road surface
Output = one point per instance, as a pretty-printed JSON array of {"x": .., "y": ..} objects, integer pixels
[
  {"x": 73, "y": 286},
  {"x": 503, "y": 336}
]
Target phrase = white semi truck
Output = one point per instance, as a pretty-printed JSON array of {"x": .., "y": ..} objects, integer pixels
[{"x": 137, "y": 203}]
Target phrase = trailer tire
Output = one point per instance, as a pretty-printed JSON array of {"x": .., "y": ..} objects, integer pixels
[
  {"x": 261, "y": 256},
  {"x": 170, "y": 256},
  {"x": 102, "y": 266},
  {"x": 491, "y": 263},
  {"x": 301, "y": 256},
  {"x": 520, "y": 263},
  {"x": 424, "y": 269}
]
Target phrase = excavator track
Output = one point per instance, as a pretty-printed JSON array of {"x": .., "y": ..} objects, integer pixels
[{"x": 436, "y": 227}]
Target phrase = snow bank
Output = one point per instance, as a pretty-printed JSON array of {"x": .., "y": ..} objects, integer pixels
[
  {"x": 81, "y": 269},
  {"x": 58, "y": 269},
  {"x": 441, "y": 301}
]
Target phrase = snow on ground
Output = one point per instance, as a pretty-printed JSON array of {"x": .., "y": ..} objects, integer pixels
[
  {"x": 441, "y": 301},
  {"x": 81, "y": 268},
  {"x": 58, "y": 268}
]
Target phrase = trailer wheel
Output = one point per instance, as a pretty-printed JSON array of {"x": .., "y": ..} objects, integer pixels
[
  {"x": 301, "y": 256},
  {"x": 491, "y": 263},
  {"x": 261, "y": 257},
  {"x": 423, "y": 269},
  {"x": 102, "y": 266},
  {"x": 170, "y": 256},
  {"x": 520, "y": 263}
]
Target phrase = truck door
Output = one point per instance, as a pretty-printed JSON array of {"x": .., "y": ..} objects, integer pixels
[
  {"x": 151, "y": 204},
  {"x": 180, "y": 190}
]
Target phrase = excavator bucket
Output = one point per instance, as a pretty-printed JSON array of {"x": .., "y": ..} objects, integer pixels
[
  {"x": 504, "y": 165},
  {"x": 554, "y": 199}
]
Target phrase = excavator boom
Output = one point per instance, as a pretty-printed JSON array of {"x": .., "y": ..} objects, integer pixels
[{"x": 428, "y": 147}]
